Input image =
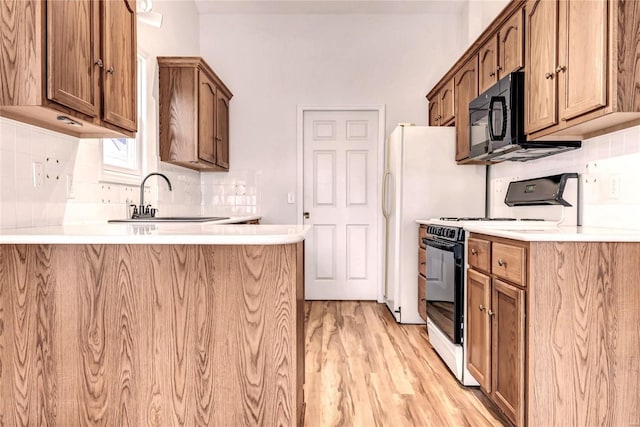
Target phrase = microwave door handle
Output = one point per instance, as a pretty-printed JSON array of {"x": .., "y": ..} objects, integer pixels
[{"x": 503, "y": 129}]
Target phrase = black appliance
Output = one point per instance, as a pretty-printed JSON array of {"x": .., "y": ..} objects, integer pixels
[
  {"x": 496, "y": 126},
  {"x": 445, "y": 305}
]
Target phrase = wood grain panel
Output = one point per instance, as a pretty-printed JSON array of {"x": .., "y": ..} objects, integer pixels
[
  {"x": 422, "y": 296},
  {"x": 478, "y": 333},
  {"x": 21, "y": 49},
  {"x": 73, "y": 46},
  {"x": 488, "y": 64},
  {"x": 207, "y": 107},
  {"x": 511, "y": 44},
  {"x": 120, "y": 63},
  {"x": 434, "y": 111},
  {"x": 447, "y": 103},
  {"x": 509, "y": 262},
  {"x": 466, "y": 88},
  {"x": 627, "y": 26},
  {"x": 150, "y": 335},
  {"x": 583, "y": 340},
  {"x": 479, "y": 256},
  {"x": 222, "y": 130}
]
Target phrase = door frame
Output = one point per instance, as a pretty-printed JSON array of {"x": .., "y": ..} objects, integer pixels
[{"x": 380, "y": 109}]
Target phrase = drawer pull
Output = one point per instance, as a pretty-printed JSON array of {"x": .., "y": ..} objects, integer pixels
[
  {"x": 501, "y": 263},
  {"x": 491, "y": 313},
  {"x": 423, "y": 299},
  {"x": 482, "y": 307},
  {"x": 423, "y": 263},
  {"x": 548, "y": 76},
  {"x": 473, "y": 251}
]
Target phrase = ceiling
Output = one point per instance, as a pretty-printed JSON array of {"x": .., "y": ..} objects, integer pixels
[{"x": 329, "y": 6}]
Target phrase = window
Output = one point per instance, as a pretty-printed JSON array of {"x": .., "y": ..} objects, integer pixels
[{"x": 122, "y": 158}]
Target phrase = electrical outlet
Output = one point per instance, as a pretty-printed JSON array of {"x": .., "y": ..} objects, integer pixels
[
  {"x": 614, "y": 187},
  {"x": 38, "y": 174},
  {"x": 291, "y": 198}
]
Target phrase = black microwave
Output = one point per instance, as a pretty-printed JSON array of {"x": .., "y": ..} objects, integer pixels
[{"x": 496, "y": 126}]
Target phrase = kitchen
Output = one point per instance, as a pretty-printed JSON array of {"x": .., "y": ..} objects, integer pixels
[{"x": 273, "y": 62}]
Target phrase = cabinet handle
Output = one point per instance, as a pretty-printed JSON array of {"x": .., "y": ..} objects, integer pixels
[
  {"x": 548, "y": 75},
  {"x": 110, "y": 70},
  {"x": 482, "y": 307},
  {"x": 218, "y": 139},
  {"x": 423, "y": 299},
  {"x": 561, "y": 69},
  {"x": 423, "y": 263},
  {"x": 499, "y": 68},
  {"x": 474, "y": 252},
  {"x": 491, "y": 74},
  {"x": 491, "y": 313},
  {"x": 501, "y": 262},
  {"x": 99, "y": 63}
]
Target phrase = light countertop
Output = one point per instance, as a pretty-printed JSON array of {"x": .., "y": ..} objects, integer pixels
[
  {"x": 561, "y": 234},
  {"x": 545, "y": 231},
  {"x": 207, "y": 233}
]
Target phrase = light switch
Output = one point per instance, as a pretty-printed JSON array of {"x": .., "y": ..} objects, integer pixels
[{"x": 291, "y": 198}]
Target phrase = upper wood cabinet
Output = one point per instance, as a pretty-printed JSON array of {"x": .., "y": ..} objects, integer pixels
[
  {"x": 581, "y": 78},
  {"x": 503, "y": 53},
  {"x": 442, "y": 108},
  {"x": 194, "y": 114},
  {"x": 70, "y": 66},
  {"x": 466, "y": 89}
]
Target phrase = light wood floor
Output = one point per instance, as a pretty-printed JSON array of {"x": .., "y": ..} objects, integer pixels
[{"x": 364, "y": 369}]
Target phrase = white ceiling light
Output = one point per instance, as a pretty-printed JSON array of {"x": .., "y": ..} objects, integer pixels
[{"x": 146, "y": 16}]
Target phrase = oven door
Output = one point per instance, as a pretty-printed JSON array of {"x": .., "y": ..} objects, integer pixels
[{"x": 445, "y": 276}]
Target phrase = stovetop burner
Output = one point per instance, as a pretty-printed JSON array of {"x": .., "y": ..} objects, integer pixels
[{"x": 477, "y": 218}]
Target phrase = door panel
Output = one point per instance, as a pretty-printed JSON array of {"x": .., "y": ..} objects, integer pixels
[
  {"x": 478, "y": 333},
  {"x": 434, "y": 111},
  {"x": 120, "y": 62},
  {"x": 466, "y": 87},
  {"x": 582, "y": 64},
  {"x": 222, "y": 130},
  {"x": 488, "y": 65},
  {"x": 508, "y": 350},
  {"x": 541, "y": 96},
  {"x": 511, "y": 45},
  {"x": 73, "y": 49},
  {"x": 206, "y": 118},
  {"x": 341, "y": 196},
  {"x": 447, "y": 104}
]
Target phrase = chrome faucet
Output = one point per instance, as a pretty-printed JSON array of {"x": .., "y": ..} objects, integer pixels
[{"x": 147, "y": 211}]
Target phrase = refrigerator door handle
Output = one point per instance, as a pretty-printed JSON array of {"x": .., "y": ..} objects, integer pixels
[{"x": 385, "y": 181}]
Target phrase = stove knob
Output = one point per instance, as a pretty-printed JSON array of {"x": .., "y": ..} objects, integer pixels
[{"x": 451, "y": 234}]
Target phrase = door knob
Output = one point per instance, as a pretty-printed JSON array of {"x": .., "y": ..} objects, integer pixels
[
  {"x": 474, "y": 252},
  {"x": 501, "y": 262},
  {"x": 561, "y": 69},
  {"x": 482, "y": 307},
  {"x": 548, "y": 75},
  {"x": 110, "y": 70},
  {"x": 491, "y": 74},
  {"x": 99, "y": 63},
  {"x": 306, "y": 215}
]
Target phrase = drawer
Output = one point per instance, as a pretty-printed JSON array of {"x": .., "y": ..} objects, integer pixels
[
  {"x": 479, "y": 254},
  {"x": 422, "y": 261},
  {"x": 422, "y": 297},
  {"x": 422, "y": 233},
  {"x": 509, "y": 262}
]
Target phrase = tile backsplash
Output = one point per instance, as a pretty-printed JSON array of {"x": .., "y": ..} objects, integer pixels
[
  {"x": 609, "y": 168},
  {"x": 47, "y": 178}
]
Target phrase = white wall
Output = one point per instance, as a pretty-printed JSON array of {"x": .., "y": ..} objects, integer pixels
[
  {"x": 610, "y": 179},
  {"x": 273, "y": 63},
  {"x": 78, "y": 161},
  {"x": 479, "y": 14}
]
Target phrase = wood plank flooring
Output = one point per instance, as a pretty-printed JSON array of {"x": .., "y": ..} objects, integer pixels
[{"x": 364, "y": 369}]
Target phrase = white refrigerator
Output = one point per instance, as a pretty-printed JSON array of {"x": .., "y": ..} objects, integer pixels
[{"x": 421, "y": 181}]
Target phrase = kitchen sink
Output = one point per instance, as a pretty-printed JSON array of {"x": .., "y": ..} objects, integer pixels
[{"x": 171, "y": 219}]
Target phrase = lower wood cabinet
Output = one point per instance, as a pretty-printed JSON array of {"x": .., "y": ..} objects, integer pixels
[
  {"x": 495, "y": 327},
  {"x": 552, "y": 333},
  {"x": 422, "y": 274}
]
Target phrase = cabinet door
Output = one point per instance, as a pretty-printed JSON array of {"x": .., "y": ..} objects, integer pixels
[
  {"x": 582, "y": 57},
  {"x": 422, "y": 297},
  {"x": 73, "y": 55},
  {"x": 206, "y": 119},
  {"x": 488, "y": 57},
  {"x": 478, "y": 326},
  {"x": 540, "y": 90},
  {"x": 447, "y": 104},
  {"x": 508, "y": 350},
  {"x": 222, "y": 131},
  {"x": 434, "y": 111},
  {"x": 466, "y": 88},
  {"x": 511, "y": 45},
  {"x": 120, "y": 62}
]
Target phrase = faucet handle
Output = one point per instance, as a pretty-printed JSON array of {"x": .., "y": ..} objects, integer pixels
[
  {"x": 134, "y": 212},
  {"x": 153, "y": 212},
  {"x": 147, "y": 209}
]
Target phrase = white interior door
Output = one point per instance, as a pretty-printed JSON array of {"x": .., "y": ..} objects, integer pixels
[{"x": 341, "y": 197}]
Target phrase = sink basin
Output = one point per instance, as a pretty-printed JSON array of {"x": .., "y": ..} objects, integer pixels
[{"x": 172, "y": 219}]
